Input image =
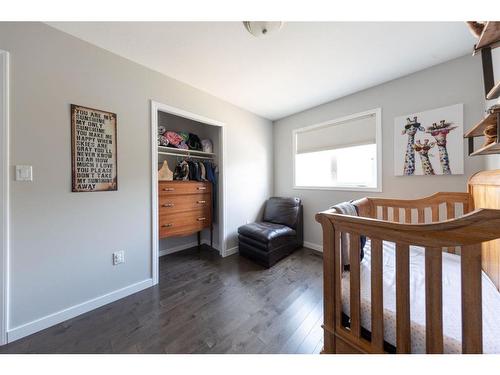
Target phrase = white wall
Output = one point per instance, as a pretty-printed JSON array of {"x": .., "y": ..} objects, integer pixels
[
  {"x": 457, "y": 81},
  {"x": 61, "y": 242}
]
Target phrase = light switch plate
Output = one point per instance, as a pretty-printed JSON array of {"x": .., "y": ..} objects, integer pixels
[{"x": 24, "y": 173}]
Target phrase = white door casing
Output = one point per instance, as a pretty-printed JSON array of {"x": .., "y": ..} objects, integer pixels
[{"x": 155, "y": 107}]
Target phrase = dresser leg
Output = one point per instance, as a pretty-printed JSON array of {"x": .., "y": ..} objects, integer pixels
[
  {"x": 211, "y": 237},
  {"x": 199, "y": 240}
]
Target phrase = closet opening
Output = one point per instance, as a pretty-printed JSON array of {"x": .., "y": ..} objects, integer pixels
[{"x": 187, "y": 183}]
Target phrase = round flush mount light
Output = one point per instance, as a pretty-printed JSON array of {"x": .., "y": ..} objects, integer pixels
[{"x": 262, "y": 28}]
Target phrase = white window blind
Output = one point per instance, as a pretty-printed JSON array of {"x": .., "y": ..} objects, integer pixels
[
  {"x": 342, "y": 154},
  {"x": 355, "y": 132}
]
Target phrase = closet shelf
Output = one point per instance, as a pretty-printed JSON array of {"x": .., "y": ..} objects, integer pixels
[
  {"x": 478, "y": 129},
  {"x": 181, "y": 152},
  {"x": 490, "y": 37},
  {"x": 494, "y": 92}
]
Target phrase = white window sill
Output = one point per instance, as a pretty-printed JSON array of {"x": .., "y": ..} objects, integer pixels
[{"x": 340, "y": 188}]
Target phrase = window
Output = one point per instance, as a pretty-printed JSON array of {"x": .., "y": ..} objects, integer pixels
[{"x": 343, "y": 154}]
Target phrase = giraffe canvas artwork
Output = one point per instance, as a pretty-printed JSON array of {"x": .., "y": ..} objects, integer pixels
[{"x": 429, "y": 142}]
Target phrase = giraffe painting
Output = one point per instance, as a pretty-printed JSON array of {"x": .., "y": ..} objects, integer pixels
[
  {"x": 440, "y": 132},
  {"x": 411, "y": 128},
  {"x": 435, "y": 137},
  {"x": 423, "y": 151}
]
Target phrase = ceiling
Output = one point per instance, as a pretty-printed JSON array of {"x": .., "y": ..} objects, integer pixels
[{"x": 301, "y": 66}]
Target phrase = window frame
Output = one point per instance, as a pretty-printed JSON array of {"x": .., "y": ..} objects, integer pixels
[{"x": 377, "y": 112}]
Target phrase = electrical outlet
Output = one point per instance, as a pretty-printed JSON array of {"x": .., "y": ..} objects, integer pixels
[
  {"x": 24, "y": 173},
  {"x": 118, "y": 257}
]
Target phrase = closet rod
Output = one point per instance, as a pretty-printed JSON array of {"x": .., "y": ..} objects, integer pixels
[{"x": 186, "y": 155}]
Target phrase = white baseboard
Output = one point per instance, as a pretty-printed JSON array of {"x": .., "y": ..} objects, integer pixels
[
  {"x": 73, "y": 311},
  {"x": 189, "y": 245},
  {"x": 230, "y": 251},
  {"x": 313, "y": 246}
]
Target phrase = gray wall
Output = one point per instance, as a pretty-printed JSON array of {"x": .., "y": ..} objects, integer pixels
[
  {"x": 457, "y": 81},
  {"x": 61, "y": 242}
]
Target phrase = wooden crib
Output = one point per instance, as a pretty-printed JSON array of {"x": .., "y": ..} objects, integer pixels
[{"x": 466, "y": 224}]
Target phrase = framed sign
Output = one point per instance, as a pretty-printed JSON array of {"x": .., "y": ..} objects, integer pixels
[{"x": 93, "y": 150}]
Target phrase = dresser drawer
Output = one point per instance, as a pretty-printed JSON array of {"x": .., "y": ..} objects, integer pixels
[
  {"x": 179, "y": 203},
  {"x": 184, "y": 223},
  {"x": 167, "y": 188}
]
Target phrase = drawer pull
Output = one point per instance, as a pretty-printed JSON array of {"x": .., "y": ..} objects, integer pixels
[
  {"x": 166, "y": 225},
  {"x": 201, "y": 188},
  {"x": 168, "y": 189},
  {"x": 201, "y": 202},
  {"x": 168, "y": 205},
  {"x": 202, "y": 219}
]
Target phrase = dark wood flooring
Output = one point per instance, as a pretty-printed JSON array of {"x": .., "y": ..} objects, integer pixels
[{"x": 203, "y": 304}]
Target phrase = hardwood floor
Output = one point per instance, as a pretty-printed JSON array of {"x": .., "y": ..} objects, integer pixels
[{"x": 203, "y": 304}]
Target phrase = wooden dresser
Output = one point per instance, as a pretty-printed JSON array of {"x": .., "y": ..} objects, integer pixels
[{"x": 185, "y": 207}]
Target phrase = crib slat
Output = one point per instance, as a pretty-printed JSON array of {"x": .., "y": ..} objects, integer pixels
[
  {"x": 433, "y": 301},
  {"x": 377, "y": 296},
  {"x": 408, "y": 215},
  {"x": 472, "y": 323},
  {"x": 450, "y": 214},
  {"x": 338, "y": 278},
  {"x": 385, "y": 214},
  {"x": 450, "y": 210},
  {"x": 421, "y": 215},
  {"x": 435, "y": 213},
  {"x": 354, "y": 255},
  {"x": 395, "y": 214},
  {"x": 403, "y": 337}
]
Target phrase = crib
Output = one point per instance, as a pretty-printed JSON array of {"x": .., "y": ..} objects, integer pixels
[{"x": 454, "y": 232}]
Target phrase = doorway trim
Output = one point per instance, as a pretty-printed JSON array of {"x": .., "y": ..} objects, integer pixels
[
  {"x": 155, "y": 107},
  {"x": 4, "y": 197}
]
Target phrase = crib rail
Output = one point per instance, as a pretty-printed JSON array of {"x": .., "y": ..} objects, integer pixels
[
  {"x": 441, "y": 205},
  {"x": 467, "y": 232}
]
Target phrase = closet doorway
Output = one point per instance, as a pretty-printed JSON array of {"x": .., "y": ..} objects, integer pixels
[{"x": 184, "y": 123}]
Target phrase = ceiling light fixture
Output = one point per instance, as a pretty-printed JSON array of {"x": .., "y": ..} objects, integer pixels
[{"x": 262, "y": 28}]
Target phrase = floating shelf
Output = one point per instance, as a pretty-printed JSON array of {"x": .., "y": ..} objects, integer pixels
[
  {"x": 492, "y": 148},
  {"x": 478, "y": 129},
  {"x": 494, "y": 92},
  {"x": 489, "y": 37}
]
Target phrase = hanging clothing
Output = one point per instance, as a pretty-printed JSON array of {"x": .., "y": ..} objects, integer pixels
[
  {"x": 212, "y": 171},
  {"x": 203, "y": 171},
  {"x": 165, "y": 174},
  {"x": 181, "y": 171}
]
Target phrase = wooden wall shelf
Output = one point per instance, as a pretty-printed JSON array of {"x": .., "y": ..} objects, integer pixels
[
  {"x": 490, "y": 36},
  {"x": 489, "y": 39},
  {"x": 493, "y": 118},
  {"x": 494, "y": 92},
  {"x": 492, "y": 148},
  {"x": 478, "y": 129}
]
